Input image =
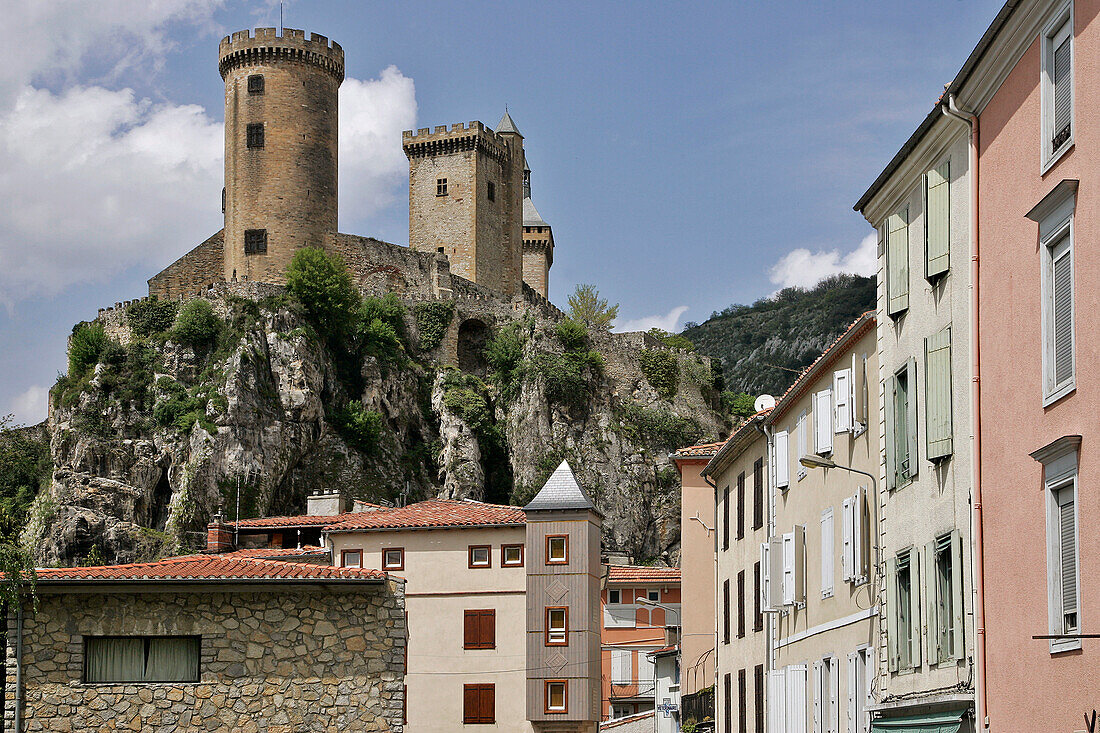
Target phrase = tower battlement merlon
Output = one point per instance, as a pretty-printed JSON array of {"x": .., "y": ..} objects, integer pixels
[
  {"x": 244, "y": 48},
  {"x": 460, "y": 136}
]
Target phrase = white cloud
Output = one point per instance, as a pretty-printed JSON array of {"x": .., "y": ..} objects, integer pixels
[
  {"x": 803, "y": 268},
  {"x": 97, "y": 180},
  {"x": 30, "y": 407},
  {"x": 668, "y": 322}
]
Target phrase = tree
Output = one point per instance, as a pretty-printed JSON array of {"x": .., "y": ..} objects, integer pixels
[
  {"x": 588, "y": 308},
  {"x": 322, "y": 284}
]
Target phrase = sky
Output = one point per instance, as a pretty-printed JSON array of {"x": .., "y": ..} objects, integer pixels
[{"x": 688, "y": 156}]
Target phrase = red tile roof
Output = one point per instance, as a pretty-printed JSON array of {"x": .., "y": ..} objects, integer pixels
[
  {"x": 432, "y": 514},
  {"x": 643, "y": 574},
  {"x": 199, "y": 568},
  {"x": 300, "y": 520},
  {"x": 703, "y": 450},
  {"x": 276, "y": 553}
]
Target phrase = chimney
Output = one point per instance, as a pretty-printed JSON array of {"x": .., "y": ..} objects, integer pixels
[
  {"x": 325, "y": 503},
  {"x": 219, "y": 535}
]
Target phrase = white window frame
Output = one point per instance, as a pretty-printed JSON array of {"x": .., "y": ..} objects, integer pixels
[
  {"x": 1057, "y": 29},
  {"x": 1060, "y": 472},
  {"x": 781, "y": 451},
  {"x": 828, "y": 552},
  {"x": 1056, "y": 241},
  {"x": 843, "y": 396},
  {"x": 823, "y": 422}
]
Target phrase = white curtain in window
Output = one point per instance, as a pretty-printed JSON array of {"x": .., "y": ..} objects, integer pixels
[
  {"x": 115, "y": 659},
  {"x": 172, "y": 659}
]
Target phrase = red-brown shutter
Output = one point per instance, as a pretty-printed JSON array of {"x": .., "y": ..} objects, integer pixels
[
  {"x": 488, "y": 629},
  {"x": 488, "y": 704},
  {"x": 471, "y": 704},
  {"x": 470, "y": 631}
]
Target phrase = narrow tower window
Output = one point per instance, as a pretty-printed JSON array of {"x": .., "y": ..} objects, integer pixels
[
  {"x": 255, "y": 135},
  {"x": 441, "y": 187},
  {"x": 492, "y": 191},
  {"x": 255, "y": 241},
  {"x": 256, "y": 84}
]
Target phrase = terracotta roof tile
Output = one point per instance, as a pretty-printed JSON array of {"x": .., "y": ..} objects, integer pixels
[
  {"x": 643, "y": 574},
  {"x": 703, "y": 450},
  {"x": 300, "y": 520},
  {"x": 435, "y": 513},
  {"x": 276, "y": 553},
  {"x": 209, "y": 567}
]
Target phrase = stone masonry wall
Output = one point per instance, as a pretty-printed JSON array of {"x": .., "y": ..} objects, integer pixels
[
  {"x": 192, "y": 273},
  {"x": 279, "y": 662}
]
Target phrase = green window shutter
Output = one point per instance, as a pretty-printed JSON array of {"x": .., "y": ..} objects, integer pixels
[
  {"x": 911, "y": 417},
  {"x": 937, "y": 394},
  {"x": 937, "y": 228},
  {"x": 914, "y": 607},
  {"x": 931, "y": 628},
  {"x": 891, "y": 463},
  {"x": 892, "y": 613},
  {"x": 897, "y": 262},
  {"x": 957, "y": 650}
]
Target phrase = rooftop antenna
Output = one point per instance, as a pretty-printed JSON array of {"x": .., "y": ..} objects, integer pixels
[{"x": 280, "y": 18}]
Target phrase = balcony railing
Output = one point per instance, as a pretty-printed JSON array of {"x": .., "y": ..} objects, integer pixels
[{"x": 698, "y": 706}]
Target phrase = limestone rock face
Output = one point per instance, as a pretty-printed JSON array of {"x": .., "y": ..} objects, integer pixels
[{"x": 129, "y": 484}]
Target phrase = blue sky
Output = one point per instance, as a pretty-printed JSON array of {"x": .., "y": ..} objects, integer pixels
[{"x": 689, "y": 156}]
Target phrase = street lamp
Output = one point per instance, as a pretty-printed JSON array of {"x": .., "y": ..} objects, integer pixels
[
  {"x": 679, "y": 649},
  {"x": 813, "y": 461}
]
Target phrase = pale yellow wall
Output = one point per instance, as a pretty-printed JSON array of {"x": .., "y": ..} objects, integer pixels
[{"x": 440, "y": 586}]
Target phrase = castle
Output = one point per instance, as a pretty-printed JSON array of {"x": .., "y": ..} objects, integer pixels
[{"x": 473, "y": 229}]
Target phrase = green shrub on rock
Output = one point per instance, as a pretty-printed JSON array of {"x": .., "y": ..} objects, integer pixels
[
  {"x": 359, "y": 427},
  {"x": 322, "y": 284},
  {"x": 87, "y": 343},
  {"x": 662, "y": 369},
  {"x": 433, "y": 317},
  {"x": 571, "y": 334},
  {"x": 151, "y": 316},
  {"x": 197, "y": 325}
]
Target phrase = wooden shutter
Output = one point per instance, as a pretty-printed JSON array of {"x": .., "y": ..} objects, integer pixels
[
  {"x": 796, "y": 698},
  {"x": 740, "y": 604},
  {"x": 957, "y": 614},
  {"x": 860, "y": 536},
  {"x": 726, "y": 518},
  {"x": 488, "y": 703},
  {"x": 914, "y": 608},
  {"x": 846, "y": 542},
  {"x": 742, "y": 703},
  {"x": 800, "y": 563},
  {"x": 775, "y": 558},
  {"x": 788, "y": 569},
  {"x": 933, "y": 605},
  {"x": 1062, "y": 311},
  {"x": 782, "y": 460},
  {"x": 911, "y": 417},
  {"x": 819, "y": 694},
  {"x": 726, "y": 611},
  {"x": 842, "y": 399},
  {"x": 479, "y": 629},
  {"x": 758, "y": 493},
  {"x": 471, "y": 704},
  {"x": 776, "y": 704},
  {"x": 757, "y": 614},
  {"x": 471, "y": 630},
  {"x": 765, "y": 578},
  {"x": 937, "y": 394},
  {"x": 834, "y": 696},
  {"x": 823, "y": 421},
  {"x": 890, "y": 405},
  {"x": 937, "y": 218},
  {"x": 727, "y": 703},
  {"x": 897, "y": 262},
  {"x": 741, "y": 505},
  {"x": 827, "y": 552},
  {"x": 892, "y": 651},
  {"x": 853, "y": 683},
  {"x": 758, "y": 697},
  {"x": 621, "y": 665}
]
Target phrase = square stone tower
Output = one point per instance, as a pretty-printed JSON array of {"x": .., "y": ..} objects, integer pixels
[
  {"x": 563, "y": 607},
  {"x": 466, "y": 200}
]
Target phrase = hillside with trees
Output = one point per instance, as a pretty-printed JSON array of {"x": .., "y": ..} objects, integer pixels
[{"x": 764, "y": 346}]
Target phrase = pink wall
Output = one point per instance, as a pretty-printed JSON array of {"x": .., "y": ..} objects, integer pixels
[
  {"x": 697, "y": 574},
  {"x": 1021, "y": 671}
]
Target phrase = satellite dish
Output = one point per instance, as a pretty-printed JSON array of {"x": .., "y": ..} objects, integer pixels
[{"x": 764, "y": 402}]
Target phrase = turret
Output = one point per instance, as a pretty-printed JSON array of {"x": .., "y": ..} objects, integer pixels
[
  {"x": 538, "y": 242},
  {"x": 281, "y": 114}
]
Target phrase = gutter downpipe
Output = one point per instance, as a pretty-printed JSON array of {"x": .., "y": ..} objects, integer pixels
[
  {"x": 714, "y": 682},
  {"x": 19, "y": 665},
  {"x": 977, "y": 558},
  {"x": 769, "y": 645}
]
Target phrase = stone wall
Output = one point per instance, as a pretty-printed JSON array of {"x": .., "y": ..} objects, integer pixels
[
  {"x": 279, "y": 662},
  {"x": 192, "y": 273}
]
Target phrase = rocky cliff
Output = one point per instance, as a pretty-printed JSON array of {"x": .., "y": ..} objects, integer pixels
[{"x": 160, "y": 422}]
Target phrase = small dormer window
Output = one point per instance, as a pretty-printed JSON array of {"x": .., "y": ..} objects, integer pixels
[
  {"x": 441, "y": 187},
  {"x": 256, "y": 84},
  {"x": 492, "y": 191},
  {"x": 254, "y": 135}
]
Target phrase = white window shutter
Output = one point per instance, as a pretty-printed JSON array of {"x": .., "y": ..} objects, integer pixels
[
  {"x": 776, "y": 704},
  {"x": 860, "y": 539},
  {"x": 788, "y": 569},
  {"x": 765, "y": 578},
  {"x": 823, "y": 421},
  {"x": 800, "y": 563},
  {"x": 892, "y": 651},
  {"x": 853, "y": 684},
  {"x": 842, "y": 399},
  {"x": 775, "y": 586},
  {"x": 932, "y": 618},
  {"x": 819, "y": 694},
  {"x": 937, "y": 228},
  {"x": 796, "y": 698},
  {"x": 957, "y": 595},
  {"x": 937, "y": 394},
  {"x": 897, "y": 262},
  {"x": 914, "y": 608},
  {"x": 827, "y": 551},
  {"x": 889, "y": 406},
  {"x": 833, "y": 718},
  {"x": 911, "y": 417},
  {"x": 846, "y": 555},
  {"x": 782, "y": 460}
]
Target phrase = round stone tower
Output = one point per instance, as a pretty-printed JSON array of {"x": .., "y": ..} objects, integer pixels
[{"x": 281, "y": 96}]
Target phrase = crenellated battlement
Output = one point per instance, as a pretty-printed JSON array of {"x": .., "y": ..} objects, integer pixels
[
  {"x": 265, "y": 45},
  {"x": 458, "y": 137}
]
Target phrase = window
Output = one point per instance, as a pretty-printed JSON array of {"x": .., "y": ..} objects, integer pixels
[
  {"x": 1056, "y": 237},
  {"x": 255, "y": 241},
  {"x": 937, "y": 395},
  {"x": 479, "y": 629},
  {"x": 557, "y": 696},
  {"x": 903, "y": 611},
  {"x": 492, "y": 191},
  {"x": 557, "y": 549},
  {"x": 780, "y": 460},
  {"x": 654, "y": 595},
  {"x": 741, "y": 505},
  {"x": 141, "y": 658},
  {"x": 727, "y": 702},
  {"x": 726, "y": 518},
  {"x": 945, "y": 596},
  {"x": 351, "y": 558},
  {"x": 726, "y": 611},
  {"x": 481, "y": 556},
  {"x": 823, "y": 422},
  {"x": 937, "y": 220},
  {"x": 740, "y": 604},
  {"x": 842, "y": 399},
  {"x": 223, "y": 199},
  {"x": 254, "y": 135},
  {"x": 897, "y": 262},
  {"x": 794, "y": 566},
  {"x": 826, "y": 695},
  {"x": 256, "y": 84},
  {"x": 827, "y": 552},
  {"x": 758, "y": 493},
  {"x": 855, "y": 539},
  {"x": 742, "y": 703},
  {"x": 901, "y": 426},
  {"x": 614, "y": 596},
  {"x": 622, "y": 666},
  {"x": 393, "y": 558},
  {"x": 757, "y": 613},
  {"x": 802, "y": 429},
  {"x": 758, "y": 696},
  {"x": 860, "y": 676},
  {"x": 1059, "y": 461},
  {"x": 557, "y": 626},
  {"x": 441, "y": 187},
  {"x": 771, "y": 564},
  {"x": 1057, "y": 82},
  {"x": 479, "y": 703},
  {"x": 511, "y": 556}
]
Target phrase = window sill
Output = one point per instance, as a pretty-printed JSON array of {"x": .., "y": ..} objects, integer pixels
[
  {"x": 1056, "y": 156},
  {"x": 1057, "y": 395},
  {"x": 825, "y": 595},
  {"x": 1065, "y": 646}
]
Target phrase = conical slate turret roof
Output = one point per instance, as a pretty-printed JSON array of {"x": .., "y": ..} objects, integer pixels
[
  {"x": 561, "y": 491},
  {"x": 506, "y": 124},
  {"x": 531, "y": 215}
]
